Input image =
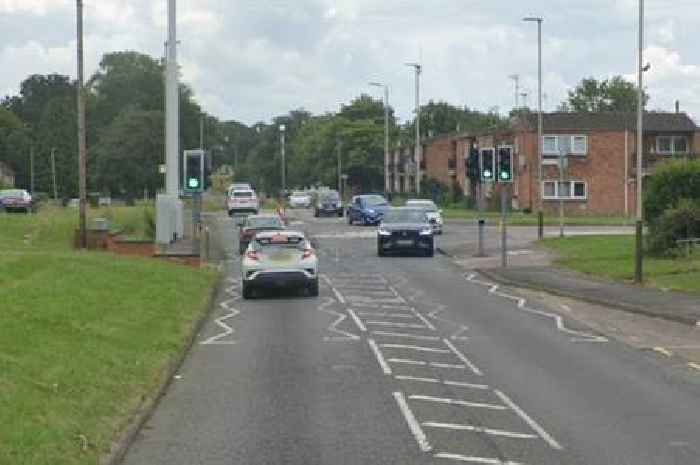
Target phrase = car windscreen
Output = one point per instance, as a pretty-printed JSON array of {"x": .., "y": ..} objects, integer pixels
[
  {"x": 375, "y": 201},
  {"x": 261, "y": 223},
  {"x": 298, "y": 194},
  {"x": 11, "y": 193},
  {"x": 242, "y": 194},
  {"x": 330, "y": 197},
  {"x": 427, "y": 206},
  {"x": 279, "y": 242},
  {"x": 404, "y": 216}
]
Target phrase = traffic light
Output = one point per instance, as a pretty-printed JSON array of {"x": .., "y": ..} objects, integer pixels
[
  {"x": 488, "y": 164},
  {"x": 473, "y": 164},
  {"x": 194, "y": 171},
  {"x": 505, "y": 164}
]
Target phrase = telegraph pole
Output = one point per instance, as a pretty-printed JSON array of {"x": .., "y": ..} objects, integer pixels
[
  {"x": 419, "y": 155},
  {"x": 340, "y": 166},
  {"x": 82, "y": 144},
  {"x": 53, "y": 173},
  {"x": 639, "y": 232},
  {"x": 284, "y": 163},
  {"x": 31, "y": 168}
]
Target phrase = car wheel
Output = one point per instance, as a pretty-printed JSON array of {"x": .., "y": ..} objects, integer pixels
[
  {"x": 430, "y": 252},
  {"x": 340, "y": 214},
  {"x": 380, "y": 251},
  {"x": 365, "y": 221},
  {"x": 349, "y": 219},
  {"x": 313, "y": 288},
  {"x": 247, "y": 291}
]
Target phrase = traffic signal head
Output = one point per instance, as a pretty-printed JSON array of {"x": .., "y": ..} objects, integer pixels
[
  {"x": 473, "y": 164},
  {"x": 505, "y": 165},
  {"x": 487, "y": 164},
  {"x": 194, "y": 171}
]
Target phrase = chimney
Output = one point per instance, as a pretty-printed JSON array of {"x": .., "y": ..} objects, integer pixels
[{"x": 678, "y": 106}]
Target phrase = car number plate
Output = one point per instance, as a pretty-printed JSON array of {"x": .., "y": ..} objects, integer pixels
[{"x": 404, "y": 242}]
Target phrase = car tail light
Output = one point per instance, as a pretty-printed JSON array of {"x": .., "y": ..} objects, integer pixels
[
  {"x": 307, "y": 253},
  {"x": 252, "y": 255}
]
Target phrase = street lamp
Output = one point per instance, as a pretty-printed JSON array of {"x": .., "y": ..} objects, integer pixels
[
  {"x": 418, "y": 68},
  {"x": 282, "y": 128},
  {"x": 638, "y": 272},
  {"x": 540, "y": 217},
  {"x": 387, "y": 187}
]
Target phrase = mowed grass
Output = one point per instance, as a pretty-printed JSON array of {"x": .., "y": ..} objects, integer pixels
[
  {"x": 523, "y": 219},
  {"x": 84, "y": 337},
  {"x": 613, "y": 257}
]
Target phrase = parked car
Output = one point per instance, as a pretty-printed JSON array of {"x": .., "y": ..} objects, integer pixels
[
  {"x": 255, "y": 224},
  {"x": 432, "y": 211},
  {"x": 367, "y": 209},
  {"x": 242, "y": 201},
  {"x": 240, "y": 186},
  {"x": 300, "y": 199},
  {"x": 16, "y": 200},
  {"x": 405, "y": 229},
  {"x": 328, "y": 203},
  {"x": 279, "y": 259}
]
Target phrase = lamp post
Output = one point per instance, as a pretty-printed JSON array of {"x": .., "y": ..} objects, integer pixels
[
  {"x": 387, "y": 186},
  {"x": 82, "y": 144},
  {"x": 419, "y": 155},
  {"x": 638, "y": 271},
  {"x": 540, "y": 215},
  {"x": 282, "y": 128}
]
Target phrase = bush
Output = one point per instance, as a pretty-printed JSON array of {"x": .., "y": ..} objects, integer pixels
[
  {"x": 681, "y": 222},
  {"x": 672, "y": 182}
]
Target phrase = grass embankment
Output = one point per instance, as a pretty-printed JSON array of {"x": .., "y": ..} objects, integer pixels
[
  {"x": 84, "y": 337},
  {"x": 524, "y": 219},
  {"x": 613, "y": 257}
]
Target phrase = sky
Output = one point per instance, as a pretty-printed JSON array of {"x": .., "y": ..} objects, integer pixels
[{"x": 251, "y": 60}]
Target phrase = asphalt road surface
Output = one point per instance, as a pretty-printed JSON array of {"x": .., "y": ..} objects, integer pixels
[{"x": 411, "y": 360}]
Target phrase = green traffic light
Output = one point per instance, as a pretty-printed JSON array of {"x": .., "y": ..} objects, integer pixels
[
  {"x": 505, "y": 175},
  {"x": 193, "y": 183}
]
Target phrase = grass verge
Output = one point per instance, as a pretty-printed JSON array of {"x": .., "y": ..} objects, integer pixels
[
  {"x": 613, "y": 257},
  {"x": 84, "y": 337},
  {"x": 523, "y": 219}
]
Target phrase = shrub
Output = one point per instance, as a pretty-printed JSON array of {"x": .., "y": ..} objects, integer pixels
[
  {"x": 672, "y": 182},
  {"x": 681, "y": 222},
  {"x": 149, "y": 216}
]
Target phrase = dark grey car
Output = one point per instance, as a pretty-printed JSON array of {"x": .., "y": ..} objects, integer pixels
[{"x": 405, "y": 229}]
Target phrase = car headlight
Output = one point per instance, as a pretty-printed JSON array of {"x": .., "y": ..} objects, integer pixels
[
  {"x": 371, "y": 212},
  {"x": 383, "y": 232},
  {"x": 426, "y": 231}
]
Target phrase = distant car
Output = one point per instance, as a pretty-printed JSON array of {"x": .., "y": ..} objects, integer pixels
[
  {"x": 300, "y": 199},
  {"x": 328, "y": 203},
  {"x": 255, "y": 224},
  {"x": 242, "y": 201},
  {"x": 367, "y": 209},
  {"x": 240, "y": 186},
  {"x": 279, "y": 259},
  {"x": 405, "y": 229},
  {"x": 347, "y": 206},
  {"x": 432, "y": 211},
  {"x": 12, "y": 200}
]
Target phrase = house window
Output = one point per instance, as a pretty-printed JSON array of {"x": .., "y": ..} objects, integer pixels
[
  {"x": 567, "y": 190},
  {"x": 671, "y": 144},
  {"x": 579, "y": 145},
  {"x": 552, "y": 145}
]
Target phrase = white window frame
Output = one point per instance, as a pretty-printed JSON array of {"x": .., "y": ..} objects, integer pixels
[
  {"x": 585, "y": 145},
  {"x": 572, "y": 190},
  {"x": 551, "y": 157},
  {"x": 556, "y": 143},
  {"x": 672, "y": 139}
]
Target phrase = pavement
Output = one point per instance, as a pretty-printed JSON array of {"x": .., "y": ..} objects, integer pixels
[{"x": 413, "y": 360}]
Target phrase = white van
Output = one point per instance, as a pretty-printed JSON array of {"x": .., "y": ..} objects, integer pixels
[{"x": 242, "y": 200}]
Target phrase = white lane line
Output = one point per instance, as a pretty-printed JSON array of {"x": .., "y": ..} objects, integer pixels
[
  {"x": 385, "y": 314},
  {"x": 413, "y": 424},
  {"x": 447, "y": 365},
  {"x": 358, "y": 322},
  {"x": 465, "y": 385},
  {"x": 407, "y": 361},
  {"x": 417, "y": 378},
  {"x": 380, "y": 358},
  {"x": 344, "y": 336},
  {"x": 470, "y": 459},
  {"x": 425, "y": 321},
  {"x": 396, "y": 324},
  {"x": 463, "y": 403},
  {"x": 338, "y": 295},
  {"x": 463, "y": 358},
  {"x": 418, "y": 337},
  {"x": 479, "y": 429},
  {"x": 417, "y": 348},
  {"x": 532, "y": 423}
]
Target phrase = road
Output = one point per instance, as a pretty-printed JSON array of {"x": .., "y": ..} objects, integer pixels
[{"x": 408, "y": 360}]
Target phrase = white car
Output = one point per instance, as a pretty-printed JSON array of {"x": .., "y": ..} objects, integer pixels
[
  {"x": 242, "y": 201},
  {"x": 300, "y": 199},
  {"x": 279, "y": 259},
  {"x": 432, "y": 211}
]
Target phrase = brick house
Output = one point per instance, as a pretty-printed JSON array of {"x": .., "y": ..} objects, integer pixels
[
  {"x": 600, "y": 149},
  {"x": 7, "y": 176}
]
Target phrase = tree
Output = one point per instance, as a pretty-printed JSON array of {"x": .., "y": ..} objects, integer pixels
[
  {"x": 9, "y": 120},
  {"x": 591, "y": 95},
  {"x": 35, "y": 93},
  {"x": 129, "y": 153},
  {"x": 57, "y": 131}
]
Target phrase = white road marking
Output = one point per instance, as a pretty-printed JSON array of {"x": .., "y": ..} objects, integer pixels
[
  {"x": 396, "y": 324},
  {"x": 417, "y": 348},
  {"x": 425, "y": 321},
  {"x": 447, "y": 365},
  {"x": 406, "y": 335},
  {"x": 532, "y": 423},
  {"x": 479, "y": 429},
  {"x": 463, "y": 403},
  {"x": 463, "y": 358},
  {"x": 407, "y": 361},
  {"x": 389, "y": 315},
  {"x": 580, "y": 336},
  {"x": 417, "y": 378},
  {"x": 413, "y": 424},
  {"x": 466, "y": 458},
  {"x": 358, "y": 322},
  {"x": 344, "y": 336},
  {"x": 465, "y": 385},
  {"x": 221, "y": 321},
  {"x": 380, "y": 358},
  {"x": 338, "y": 295}
]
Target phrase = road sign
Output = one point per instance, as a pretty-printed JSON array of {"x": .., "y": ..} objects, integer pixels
[{"x": 194, "y": 171}]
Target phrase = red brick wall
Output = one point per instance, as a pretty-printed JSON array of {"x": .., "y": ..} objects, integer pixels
[{"x": 436, "y": 154}]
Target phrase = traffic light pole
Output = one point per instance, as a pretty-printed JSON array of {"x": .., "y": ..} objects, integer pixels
[{"x": 504, "y": 215}]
